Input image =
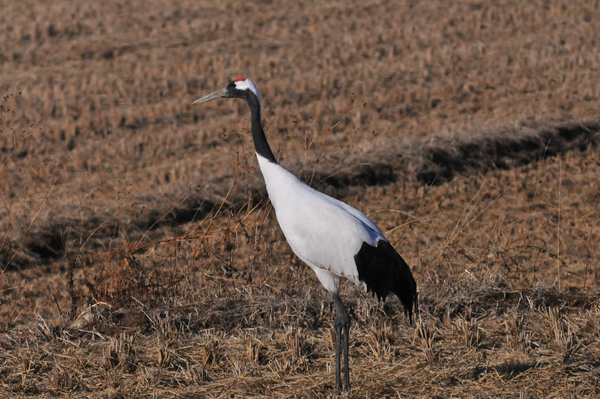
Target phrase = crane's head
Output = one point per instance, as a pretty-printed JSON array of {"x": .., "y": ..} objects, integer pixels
[{"x": 239, "y": 88}]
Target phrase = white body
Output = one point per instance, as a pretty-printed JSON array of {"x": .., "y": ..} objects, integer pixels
[{"x": 322, "y": 231}]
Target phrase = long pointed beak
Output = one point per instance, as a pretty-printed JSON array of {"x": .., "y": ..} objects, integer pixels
[{"x": 217, "y": 94}]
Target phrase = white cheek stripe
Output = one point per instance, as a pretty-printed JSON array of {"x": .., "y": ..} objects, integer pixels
[{"x": 247, "y": 84}]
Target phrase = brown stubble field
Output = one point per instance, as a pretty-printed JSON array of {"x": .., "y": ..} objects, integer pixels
[{"x": 140, "y": 256}]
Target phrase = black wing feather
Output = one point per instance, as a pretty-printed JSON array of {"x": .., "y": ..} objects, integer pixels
[{"x": 385, "y": 272}]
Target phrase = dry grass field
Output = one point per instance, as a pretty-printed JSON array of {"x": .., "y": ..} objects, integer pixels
[{"x": 140, "y": 257}]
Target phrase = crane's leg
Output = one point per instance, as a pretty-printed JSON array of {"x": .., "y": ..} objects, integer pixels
[
  {"x": 346, "y": 359},
  {"x": 338, "y": 337},
  {"x": 341, "y": 321}
]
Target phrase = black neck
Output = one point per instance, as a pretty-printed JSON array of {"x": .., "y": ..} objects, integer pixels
[{"x": 258, "y": 134}]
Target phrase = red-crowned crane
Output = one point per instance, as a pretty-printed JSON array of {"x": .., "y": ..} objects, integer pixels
[{"x": 333, "y": 238}]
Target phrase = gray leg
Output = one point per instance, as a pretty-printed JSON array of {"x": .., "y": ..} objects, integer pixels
[
  {"x": 338, "y": 336},
  {"x": 341, "y": 321},
  {"x": 346, "y": 359}
]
